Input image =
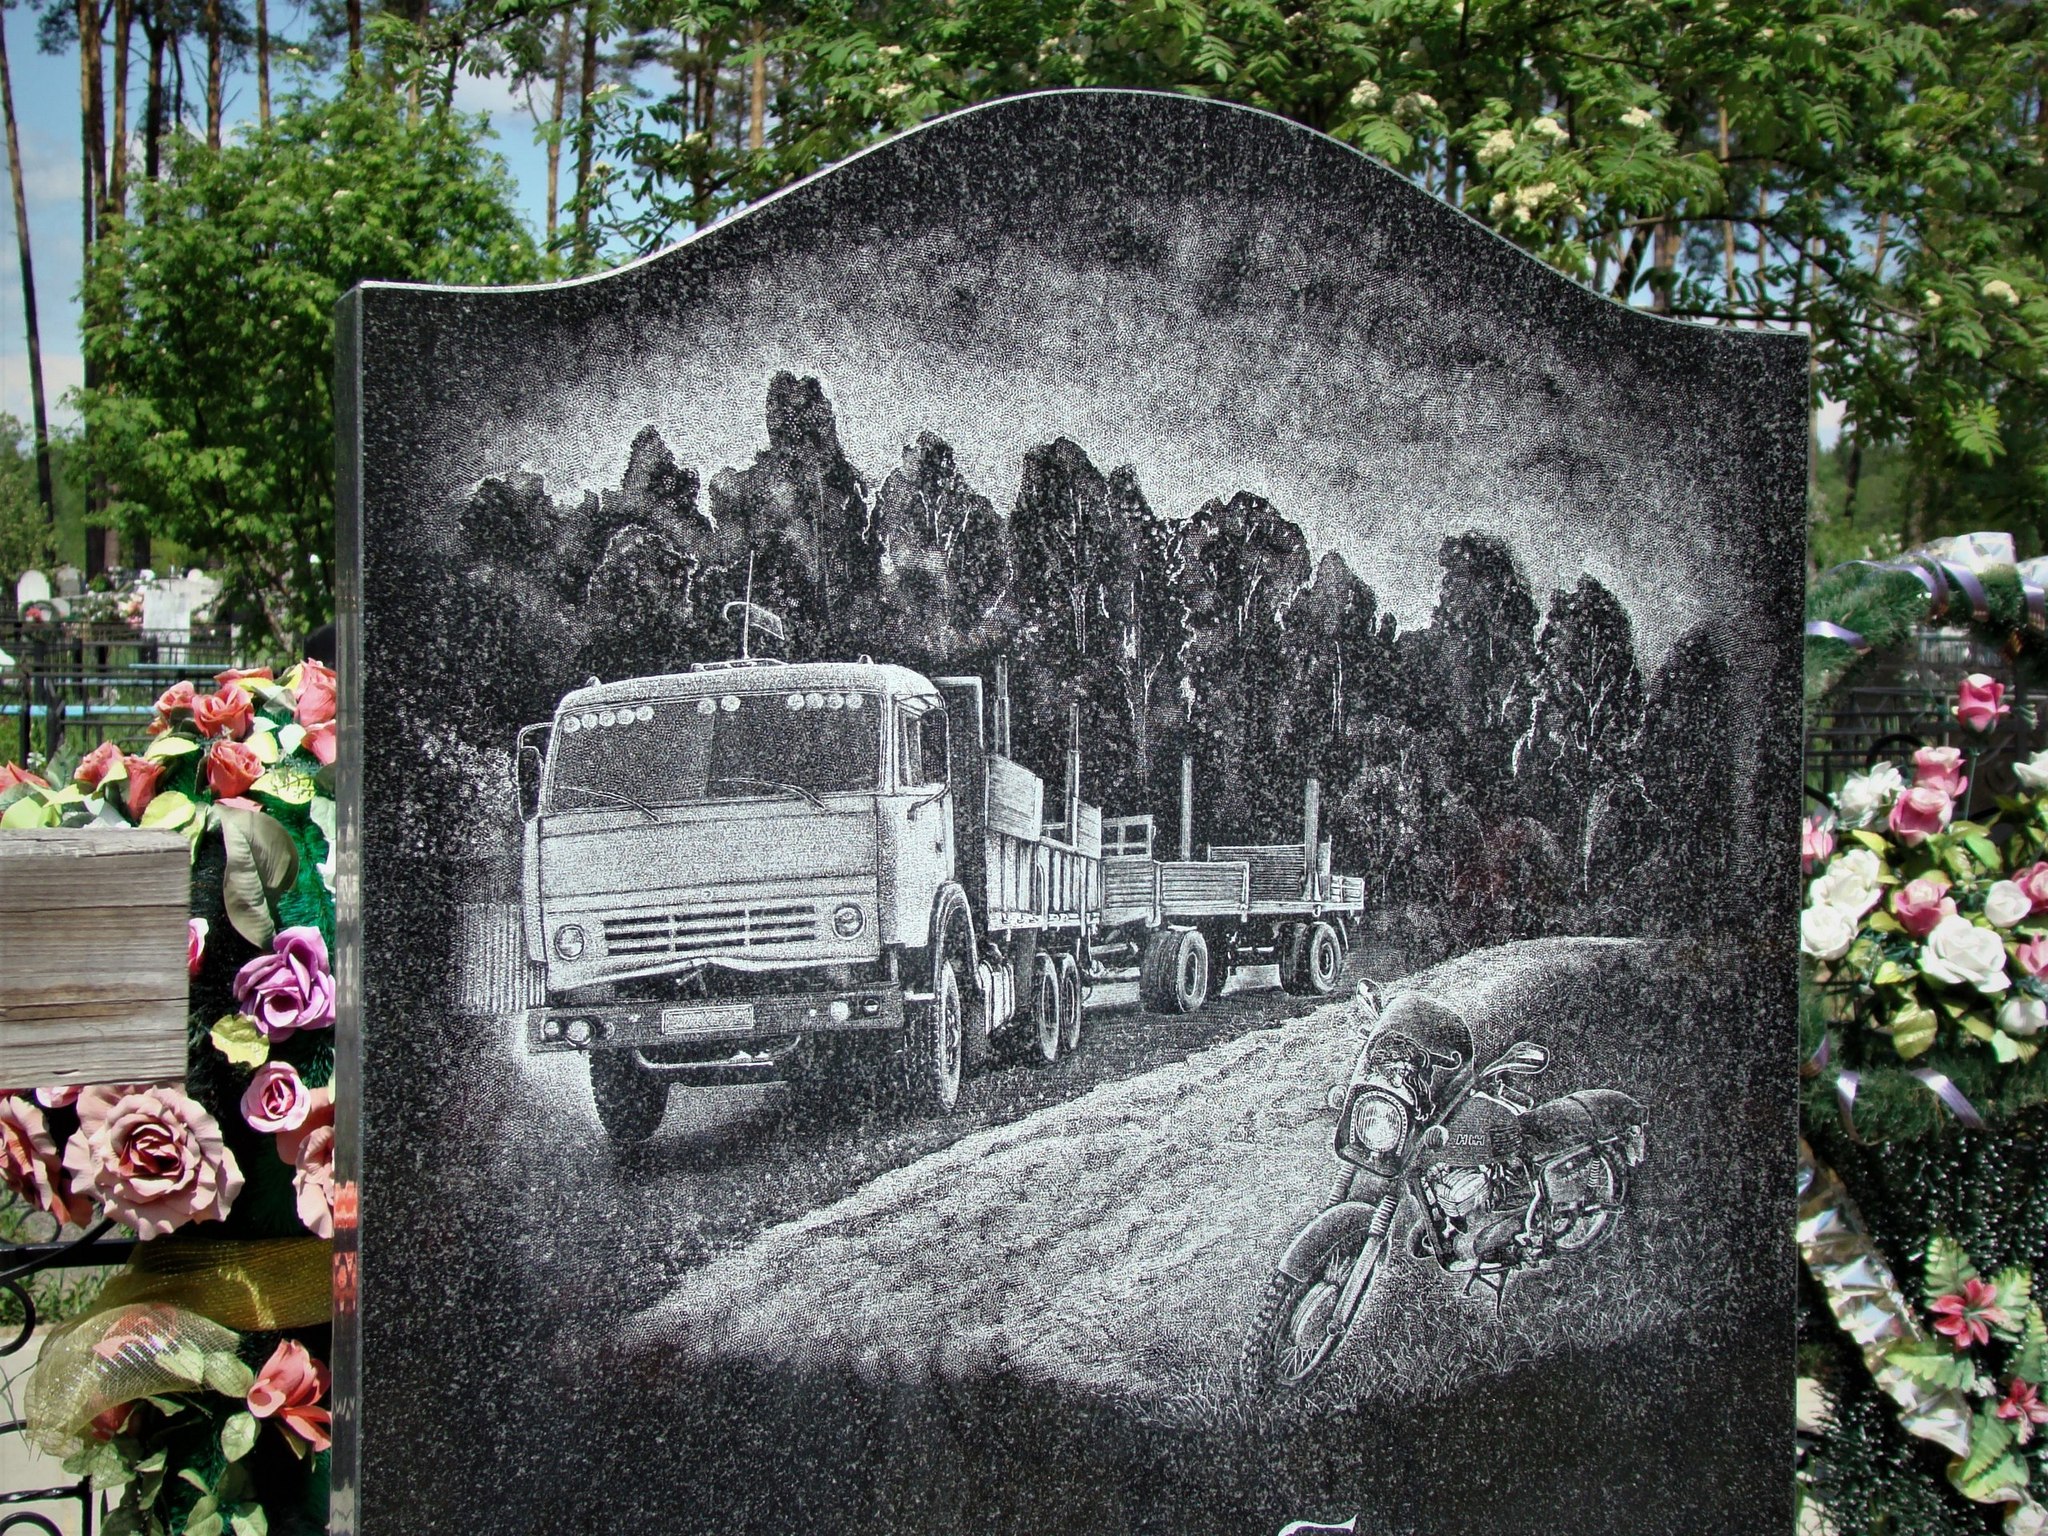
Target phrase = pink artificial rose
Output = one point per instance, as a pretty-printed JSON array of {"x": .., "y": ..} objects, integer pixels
[
  {"x": 315, "y": 704},
  {"x": 1920, "y": 904},
  {"x": 1941, "y": 768},
  {"x": 1816, "y": 843},
  {"x": 231, "y": 768},
  {"x": 276, "y": 1099},
  {"x": 63, "y": 1096},
  {"x": 174, "y": 698},
  {"x": 143, "y": 772},
  {"x": 1919, "y": 813},
  {"x": 2032, "y": 956},
  {"x": 1980, "y": 702},
  {"x": 231, "y": 710},
  {"x": 246, "y": 674},
  {"x": 2034, "y": 881},
  {"x": 93, "y": 767},
  {"x": 290, "y": 988},
  {"x": 195, "y": 944},
  {"x": 320, "y": 741},
  {"x": 289, "y": 1389},
  {"x": 152, "y": 1157},
  {"x": 310, "y": 1150},
  {"x": 30, "y": 1166}
]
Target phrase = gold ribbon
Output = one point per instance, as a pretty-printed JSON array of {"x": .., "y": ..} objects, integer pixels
[
  {"x": 155, "y": 1324},
  {"x": 1866, "y": 1300}
]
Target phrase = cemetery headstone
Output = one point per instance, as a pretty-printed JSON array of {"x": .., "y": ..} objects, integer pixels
[
  {"x": 1090, "y": 826},
  {"x": 31, "y": 587}
]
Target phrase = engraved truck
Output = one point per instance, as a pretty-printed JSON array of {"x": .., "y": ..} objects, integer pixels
[{"x": 758, "y": 870}]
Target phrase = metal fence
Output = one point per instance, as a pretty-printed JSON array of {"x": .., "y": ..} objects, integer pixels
[{"x": 100, "y": 681}]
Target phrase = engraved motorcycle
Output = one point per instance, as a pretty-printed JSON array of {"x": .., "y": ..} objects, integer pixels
[{"x": 1493, "y": 1182}]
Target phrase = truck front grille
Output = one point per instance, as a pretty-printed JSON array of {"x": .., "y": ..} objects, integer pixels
[{"x": 713, "y": 930}]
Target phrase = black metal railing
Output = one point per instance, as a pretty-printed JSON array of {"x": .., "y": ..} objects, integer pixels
[{"x": 101, "y": 680}]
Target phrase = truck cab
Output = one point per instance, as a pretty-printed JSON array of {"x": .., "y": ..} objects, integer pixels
[{"x": 721, "y": 863}]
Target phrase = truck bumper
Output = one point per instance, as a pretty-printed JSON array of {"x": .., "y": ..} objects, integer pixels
[{"x": 736, "y": 1021}]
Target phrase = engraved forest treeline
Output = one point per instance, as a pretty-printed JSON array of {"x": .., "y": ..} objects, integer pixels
[{"x": 1506, "y": 768}]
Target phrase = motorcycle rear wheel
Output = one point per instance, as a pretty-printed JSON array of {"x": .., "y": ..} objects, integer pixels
[{"x": 1291, "y": 1340}]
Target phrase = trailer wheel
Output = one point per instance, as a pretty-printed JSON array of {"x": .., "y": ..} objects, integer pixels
[
  {"x": 1321, "y": 967},
  {"x": 934, "y": 1044},
  {"x": 1290, "y": 951},
  {"x": 1174, "y": 977},
  {"x": 1047, "y": 1019},
  {"x": 630, "y": 1099},
  {"x": 1070, "y": 1004}
]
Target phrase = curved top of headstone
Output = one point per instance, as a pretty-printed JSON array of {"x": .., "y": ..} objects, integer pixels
[{"x": 1220, "y": 297}]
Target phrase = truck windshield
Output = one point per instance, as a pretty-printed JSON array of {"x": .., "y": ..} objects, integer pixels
[{"x": 724, "y": 747}]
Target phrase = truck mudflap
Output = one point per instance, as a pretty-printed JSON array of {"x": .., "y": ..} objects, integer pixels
[{"x": 651, "y": 1025}]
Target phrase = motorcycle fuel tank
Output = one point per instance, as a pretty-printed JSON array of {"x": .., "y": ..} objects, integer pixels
[{"x": 1484, "y": 1130}]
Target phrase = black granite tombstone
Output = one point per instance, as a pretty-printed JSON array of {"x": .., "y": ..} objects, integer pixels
[{"x": 1088, "y": 827}]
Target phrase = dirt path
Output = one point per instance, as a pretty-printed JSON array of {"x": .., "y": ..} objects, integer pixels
[{"x": 1117, "y": 1242}]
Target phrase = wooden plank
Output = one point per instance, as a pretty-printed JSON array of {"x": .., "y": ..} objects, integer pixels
[
  {"x": 1016, "y": 799},
  {"x": 1130, "y": 890},
  {"x": 1279, "y": 870},
  {"x": 92, "y": 955},
  {"x": 1088, "y": 831},
  {"x": 1204, "y": 888}
]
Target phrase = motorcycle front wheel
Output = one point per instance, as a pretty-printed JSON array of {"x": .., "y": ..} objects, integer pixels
[{"x": 1296, "y": 1332}]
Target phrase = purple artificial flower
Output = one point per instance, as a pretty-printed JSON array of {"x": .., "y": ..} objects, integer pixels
[{"x": 290, "y": 988}]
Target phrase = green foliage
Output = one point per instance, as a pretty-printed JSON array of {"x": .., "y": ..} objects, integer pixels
[
  {"x": 210, "y": 322},
  {"x": 26, "y": 538}
]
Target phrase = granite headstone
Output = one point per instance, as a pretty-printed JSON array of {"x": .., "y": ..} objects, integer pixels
[{"x": 1088, "y": 827}]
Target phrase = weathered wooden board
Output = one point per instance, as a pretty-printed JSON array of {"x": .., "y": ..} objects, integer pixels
[
  {"x": 92, "y": 955},
  {"x": 1016, "y": 799}
]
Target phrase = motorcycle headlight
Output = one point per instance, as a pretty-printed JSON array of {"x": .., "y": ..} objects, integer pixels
[
  {"x": 1378, "y": 1124},
  {"x": 568, "y": 941}
]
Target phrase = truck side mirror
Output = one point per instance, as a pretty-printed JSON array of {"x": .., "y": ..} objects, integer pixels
[{"x": 528, "y": 765}]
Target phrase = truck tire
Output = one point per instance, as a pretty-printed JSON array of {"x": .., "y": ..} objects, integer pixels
[
  {"x": 1070, "y": 1004},
  {"x": 1290, "y": 951},
  {"x": 1321, "y": 968},
  {"x": 1048, "y": 1017},
  {"x": 630, "y": 1099},
  {"x": 934, "y": 1046},
  {"x": 1174, "y": 977}
]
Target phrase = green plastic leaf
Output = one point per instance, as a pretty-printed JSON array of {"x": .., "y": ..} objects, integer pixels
[
  {"x": 289, "y": 736},
  {"x": 1947, "y": 1267},
  {"x": 2031, "y": 1358},
  {"x": 2015, "y": 1287},
  {"x": 1872, "y": 841},
  {"x": 171, "y": 746},
  {"x": 1913, "y": 1031},
  {"x": 1989, "y": 1467},
  {"x": 236, "y": 1037},
  {"x": 184, "y": 1362},
  {"x": 1881, "y": 921},
  {"x": 169, "y": 810},
  {"x": 264, "y": 744},
  {"x": 228, "y": 1375},
  {"x": 249, "y": 1520},
  {"x": 1892, "y": 974},
  {"x": 204, "y": 1520},
  {"x": 30, "y": 811},
  {"x": 1978, "y": 1027},
  {"x": 1985, "y": 851},
  {"x": 1935, "y": 1364},
  {"x": 286, "y": 783},
  {"x": 238, "y": 1435},
  {"x": 261, "y": 863}
]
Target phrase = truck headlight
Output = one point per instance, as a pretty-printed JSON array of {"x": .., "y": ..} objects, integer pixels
[
  {"x": 569, "y": 941},
  {"x": 847, "y": 921}
]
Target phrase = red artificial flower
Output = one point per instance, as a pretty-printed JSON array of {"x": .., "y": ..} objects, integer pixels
[
  {"x": 289, "y": 1389},
  {"x": 2023, "y": 1405},
  {"x": 143, "y": 772},
  {"x": 1980, "y": 702},
  {"x": 12, "y": 774},
  {"x": 93, "y": 767},
  {"x": 231, "y": 768},
  {"x": 176, "y": 697},
  {"x": 230, "y": 710},
  {"x": 246, "y": 674},
  {"x": 1968, "y": 1316}
]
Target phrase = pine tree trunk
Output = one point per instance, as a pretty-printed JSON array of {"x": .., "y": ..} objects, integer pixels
[
  {"x": 214, "y": 65},
  {"x": 562, "y": 42},
  {"x": 263, "y": 62},
  {"x": 38, "y": 410},
  {"x": 1727, "y": 225},
  {"x": 355, "y": 35},
  {"x": 117, "y": 162},
  {"x": 153, "y": 98},
  {"x": 91, "y": 145},
  {"x": 1664, "y": 254},
  {"x": 586, "y": 132},
  {"x": 757, "y": 94}
]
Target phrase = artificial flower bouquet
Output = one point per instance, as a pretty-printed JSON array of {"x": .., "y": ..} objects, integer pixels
[
  {"x": 1928, "y": 928},
  {"x": 196, "y": 1387}
]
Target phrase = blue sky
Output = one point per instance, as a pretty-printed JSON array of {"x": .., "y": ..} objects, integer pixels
[{"x": 46, "y": 101}]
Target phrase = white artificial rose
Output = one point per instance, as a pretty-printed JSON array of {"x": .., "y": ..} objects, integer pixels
[
  {"x": 1964, "y": 955},
  {"x": 1849, "y": 883},
  {"x": 1826, "y": 932},
  {"x": 1865, "y": 797},
  {"x": 2023, "y": 1016},
  {"x": 2033, "y": 772},
  {"x": 2006, "y": 903}
]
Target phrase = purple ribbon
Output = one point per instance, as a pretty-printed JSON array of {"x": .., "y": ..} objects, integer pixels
[
  {"x": 1949, "y": 1094},
  {"x": 1964, "y": 577},
  {"x": 1845, "y": 1099},
  {"x": 2037, "y": 607},
  {"x": 1821, "y": 629},
  {"x": 1817, "y": 1063}
]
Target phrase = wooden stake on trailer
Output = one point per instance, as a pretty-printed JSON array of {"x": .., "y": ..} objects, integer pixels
[
  {"x": 1002, "y": 706},
  {"x": 1187, "y": 807},
  {"x": 1311, "y": 835},
  {"x": 1074, "y": 775}
]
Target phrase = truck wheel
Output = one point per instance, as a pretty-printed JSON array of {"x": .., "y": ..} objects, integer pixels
[
  {"x": 934, "y": 1039},
  {"x": 630, "y": 1099},
  {"x": 933, "y": 1043},
  {"x": 1321, "y": 970},
  {"x": 1291, "y": 951},
  {"x": 1070, "y": 1004},
  {"x": 1175, "y": 974},
  {"x": 1048, "y": 1019}
]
